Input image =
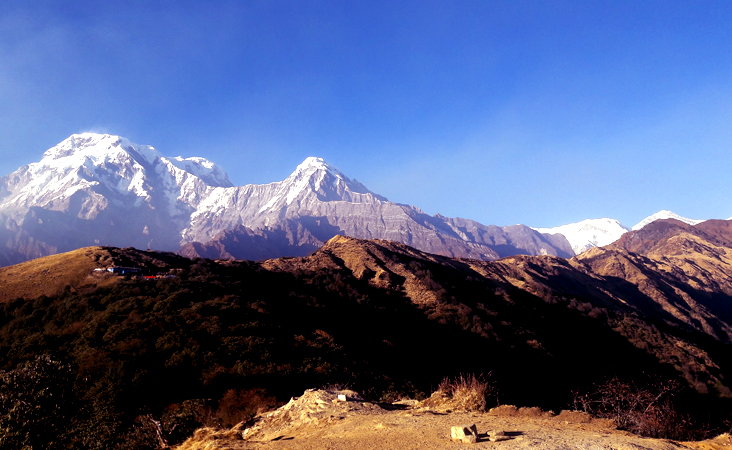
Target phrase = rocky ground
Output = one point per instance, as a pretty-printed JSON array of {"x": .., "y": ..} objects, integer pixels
[{"x": 323, "y": 420}]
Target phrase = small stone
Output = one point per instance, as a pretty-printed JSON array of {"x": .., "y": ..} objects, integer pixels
[
  {"x": 467, "y": 434},
  {"x": 342, "y": 397}
]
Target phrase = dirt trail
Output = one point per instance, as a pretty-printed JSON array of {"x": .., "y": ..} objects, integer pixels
[{"x": 320, "y": 421}]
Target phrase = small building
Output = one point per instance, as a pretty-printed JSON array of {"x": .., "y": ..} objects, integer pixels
[{"x": 124, "y": 270}]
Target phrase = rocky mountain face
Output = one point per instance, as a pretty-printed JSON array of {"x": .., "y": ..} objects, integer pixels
[
  {"x": 318, "y": 202},
  {"x": 94, "y": 189}
]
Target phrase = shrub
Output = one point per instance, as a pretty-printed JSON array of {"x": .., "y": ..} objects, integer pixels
[
  {"x": 36, "y": 405},
  {"x": 647, "y": 411},
  {"x": 463, "y": 393},
  {"x": 179, "y": 421},
  {"x": 242, "y": 405}
]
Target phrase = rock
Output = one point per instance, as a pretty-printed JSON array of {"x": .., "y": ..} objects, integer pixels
[
  {"x": 497, "y": 435},
  {"x": 342, "y": 398},
  {"x": 467, "y": 434}
]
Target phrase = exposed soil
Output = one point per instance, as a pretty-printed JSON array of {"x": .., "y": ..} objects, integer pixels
[{"x": 318, "y": 420}]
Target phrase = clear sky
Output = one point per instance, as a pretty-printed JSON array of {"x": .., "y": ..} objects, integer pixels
[{"x": 535, "y": 112}]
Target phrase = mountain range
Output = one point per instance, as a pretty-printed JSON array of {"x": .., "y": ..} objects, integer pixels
[{"x": 99, "y": 189}]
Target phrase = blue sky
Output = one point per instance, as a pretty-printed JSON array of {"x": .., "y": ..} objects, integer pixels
[{"x": 505, "y": 112}]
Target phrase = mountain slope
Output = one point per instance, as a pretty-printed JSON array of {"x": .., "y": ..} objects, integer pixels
[
  {"x": 74, "y": 271},
  {"x": 384, "y": 318},
  {"x": 683, "y": 270}
]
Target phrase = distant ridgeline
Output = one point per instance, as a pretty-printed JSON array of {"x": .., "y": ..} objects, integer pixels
[{"x": 128, "y": 358}]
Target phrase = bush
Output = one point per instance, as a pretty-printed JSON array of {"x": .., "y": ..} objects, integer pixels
[
  {"x": 646, "y": 411},
  {"x": 36, "y": 405},
  {"x": 242, "y": 405}
]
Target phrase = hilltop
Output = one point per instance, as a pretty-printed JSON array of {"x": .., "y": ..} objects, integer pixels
[{"x": 74, "y": 270}]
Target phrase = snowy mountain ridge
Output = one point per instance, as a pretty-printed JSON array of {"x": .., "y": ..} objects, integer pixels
[
  {"x": 588, "y": 233},
  {"x": 105, "y": 166},
  {"x": 312, "y": 183},
  {"x": 664, "y": 214},
  {"x": 100, "y": 189}
]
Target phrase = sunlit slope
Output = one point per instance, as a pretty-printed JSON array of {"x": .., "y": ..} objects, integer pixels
[{"x": 74, "y": 270}]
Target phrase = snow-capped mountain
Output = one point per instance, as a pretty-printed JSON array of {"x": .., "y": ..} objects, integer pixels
[
  {"x": 664, "y": 214},
  {"x": 108, "y": 166},
  {"x": 589, "y": 233},
  {"x": 312, "y": 184},
  {"x": 323, "y": 202},
  {"x": 99, "y": 189},
  {"x": 102, "y": 189}
]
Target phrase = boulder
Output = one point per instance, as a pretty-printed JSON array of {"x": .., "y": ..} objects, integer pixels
[{"x": 467, "y": 434}]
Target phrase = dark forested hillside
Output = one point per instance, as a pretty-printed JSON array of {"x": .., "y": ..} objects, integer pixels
[{"x": 136, "y": 360}]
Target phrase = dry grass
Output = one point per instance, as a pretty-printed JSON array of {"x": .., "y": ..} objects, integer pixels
[
  {"x": 574, "y": 416},
  {"x": 210, "y": 439},
  {"x": 50, "y": 275},
  {"x": 464, "y": 393},
  {"x": 524, "y": 411}
]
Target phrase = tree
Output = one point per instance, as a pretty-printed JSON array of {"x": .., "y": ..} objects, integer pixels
[{"x": 36, "y": 405}]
